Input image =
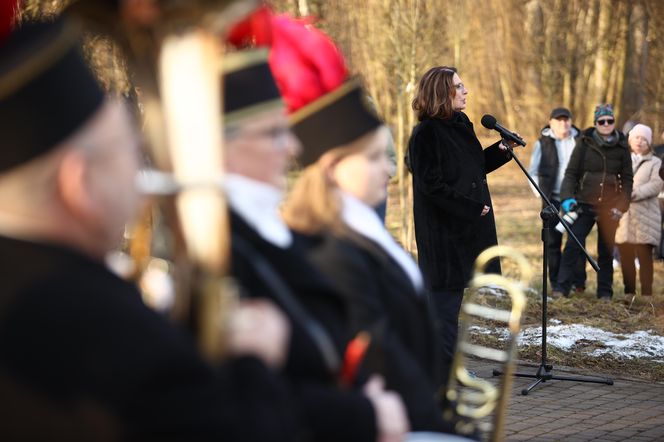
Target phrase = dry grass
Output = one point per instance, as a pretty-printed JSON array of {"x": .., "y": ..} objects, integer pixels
[{"x": 519, "y": 226}]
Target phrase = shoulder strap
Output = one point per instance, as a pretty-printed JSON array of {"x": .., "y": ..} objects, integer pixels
[
  {"x": 640, "y": 164},
  {"x": 289, "y": 302}
]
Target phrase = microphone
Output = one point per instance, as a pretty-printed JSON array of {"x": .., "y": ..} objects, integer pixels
[{"x": 489, "y": 121}]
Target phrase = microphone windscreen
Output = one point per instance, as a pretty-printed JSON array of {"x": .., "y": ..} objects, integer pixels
[{"x": 489, "y": 121}]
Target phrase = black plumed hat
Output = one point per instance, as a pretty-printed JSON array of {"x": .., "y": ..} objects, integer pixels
[
  {"x": 334, "y": 119},
  {"x": 327, "y": 108},
  {"x": 248, "y": 85},
  {"x": 46, "y": 90}
]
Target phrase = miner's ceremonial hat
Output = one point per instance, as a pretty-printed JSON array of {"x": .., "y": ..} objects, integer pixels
[
  {"x": 326, "y": 107},
  {"x": 47, "y": 90},
  {"x": 248, "y": 85}
]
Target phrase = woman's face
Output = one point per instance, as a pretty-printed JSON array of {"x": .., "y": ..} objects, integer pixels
[
  {"x": 365, "y": 173},
  {"x": 605, "y": 125},
  {"x": 639, "y": 144},
  {"x": 460, "y": 93}
]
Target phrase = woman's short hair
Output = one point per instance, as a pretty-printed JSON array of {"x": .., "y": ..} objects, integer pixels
[{"x": 435, "y": 93}]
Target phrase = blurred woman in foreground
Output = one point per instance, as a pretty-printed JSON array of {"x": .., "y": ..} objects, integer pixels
[{"x": 333, "y": 206}]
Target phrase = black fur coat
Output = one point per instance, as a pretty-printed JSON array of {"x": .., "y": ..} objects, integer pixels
[{"x": 450, "y": 190}]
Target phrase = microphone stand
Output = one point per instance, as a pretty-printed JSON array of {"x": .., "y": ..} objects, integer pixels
[{"x": 549, "y": 215}]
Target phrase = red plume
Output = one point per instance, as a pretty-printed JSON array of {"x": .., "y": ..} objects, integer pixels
[
  {"x": 8, "y": 10},
  {"x": 255, "y": 30},
  {"x": 305, "y": 62}
]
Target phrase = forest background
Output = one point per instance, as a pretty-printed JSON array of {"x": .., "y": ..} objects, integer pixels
[{"x": 518, "y": 58}]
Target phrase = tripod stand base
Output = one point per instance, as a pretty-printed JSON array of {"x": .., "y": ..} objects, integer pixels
[{"x": 545, "y": 373}]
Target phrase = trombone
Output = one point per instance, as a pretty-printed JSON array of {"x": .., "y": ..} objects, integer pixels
[{"x": 470, "y": 399}]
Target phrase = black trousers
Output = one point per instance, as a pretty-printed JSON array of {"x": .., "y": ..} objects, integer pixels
[
  {"x": 554, "y": 255},
  {"x": 628, "y": 252},
  {"x": 606, "y": 231},
  {"x": 446, "y": 306}
]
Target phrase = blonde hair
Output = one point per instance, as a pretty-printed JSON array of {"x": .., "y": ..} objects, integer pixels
[{"x": 314, "y": 204}]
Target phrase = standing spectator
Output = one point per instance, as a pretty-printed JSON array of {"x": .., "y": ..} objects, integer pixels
[
  {"x": 639, "y": 229},
  {"x": 381, "y": 208},
  {"x": 598, "y": 185},
  {"x": 547, "y": 167},
  {"x": 451, "y": 201}
]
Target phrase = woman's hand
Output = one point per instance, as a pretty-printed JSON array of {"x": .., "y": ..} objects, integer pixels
[
  {"x": 485, "y": 210},
  {"x": 505, "y": 144}
]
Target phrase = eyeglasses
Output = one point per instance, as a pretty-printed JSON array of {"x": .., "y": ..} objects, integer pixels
[
  {"x": 279, "y": 135},
  {"x": 606, "y": 122}
]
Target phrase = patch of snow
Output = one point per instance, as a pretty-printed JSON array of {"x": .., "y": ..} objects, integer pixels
[
  {"x": 492, "y": 289},
  {"x": 477, "y": 330},
  {"x": 574, "y": 337}
]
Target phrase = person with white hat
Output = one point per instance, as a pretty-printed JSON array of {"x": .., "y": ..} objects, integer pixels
[{"x": 639, "y": 230}]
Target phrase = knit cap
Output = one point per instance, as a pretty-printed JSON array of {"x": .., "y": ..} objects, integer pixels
[
  {"x": 643, "y": 130},
  {"x": 603, "y": 110}
]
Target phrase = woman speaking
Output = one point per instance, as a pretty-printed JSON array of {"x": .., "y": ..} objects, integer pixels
[{"x": 452, "y": 206}]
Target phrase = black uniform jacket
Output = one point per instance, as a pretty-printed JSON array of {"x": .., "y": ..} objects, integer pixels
[
  {"x": 329, "y": 412},
  {"x": 82, "y": 358},
  {"x": 450, "y": 190},
  {"x": 384, "y": 302}
]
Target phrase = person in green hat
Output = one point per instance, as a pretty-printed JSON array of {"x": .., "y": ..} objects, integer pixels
[{"x": 598, "y": 186}]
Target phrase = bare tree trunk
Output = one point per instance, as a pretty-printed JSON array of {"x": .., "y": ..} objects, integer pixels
[
  {"x": 584, "y": 95},
  {"x": 303, "y": 8},
  {"x": 635, "y": 64},
  {"x": 619, "y": 50},
  {"x": 602, "y": 59},
  {"x": 534, "y": 50},
  {"x": 502, "y": 58}
]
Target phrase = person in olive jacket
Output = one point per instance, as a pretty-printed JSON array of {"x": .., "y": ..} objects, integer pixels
[
  {"x": 598, "y": 185},
  {"x": 454, "y": 222}
]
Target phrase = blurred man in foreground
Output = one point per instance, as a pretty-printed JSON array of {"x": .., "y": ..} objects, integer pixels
[{"x": 81, "y": 355}]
